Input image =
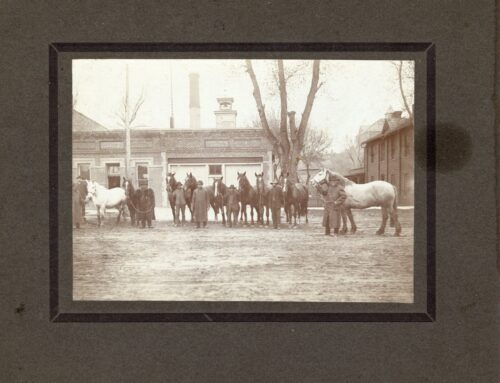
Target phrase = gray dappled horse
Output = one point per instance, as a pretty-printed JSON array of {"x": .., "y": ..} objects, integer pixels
[{"x": 362, "y": 196}]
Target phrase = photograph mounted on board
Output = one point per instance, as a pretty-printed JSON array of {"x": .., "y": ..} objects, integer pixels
[{"x": 243, "y": 180}]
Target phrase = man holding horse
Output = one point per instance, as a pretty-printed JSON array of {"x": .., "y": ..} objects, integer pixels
[{"x": 334, "y": 197}]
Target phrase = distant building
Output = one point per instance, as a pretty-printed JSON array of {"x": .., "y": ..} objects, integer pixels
[
  {"x": 389, "y": 154},
  {"x": 99, "y": 153}
]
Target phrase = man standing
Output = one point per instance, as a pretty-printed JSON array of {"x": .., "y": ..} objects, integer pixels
[
  {"x": 334, "y": 197},
  {"x": 275, "y": 202},
  {"x": 180, "y": 204},
  {"x": 200, "y": 204}
]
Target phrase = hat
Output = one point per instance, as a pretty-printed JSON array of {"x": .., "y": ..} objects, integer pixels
[
  {"x": 178, "y": 184},
  {"x": 274, "y": 182},
  {"x": 200, "y": 182},
  {"x": 232, "y": 187}
]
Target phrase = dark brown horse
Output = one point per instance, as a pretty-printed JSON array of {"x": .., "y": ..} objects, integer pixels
[
  {"x": 296, "y": 198},
  {"x": 130, "y": 192},
  {"x": 190, "y": 184},
  {"x": 217, "y": 192},
  {"x": 248, "y": 196},
  {"x": 171, "y": 185},
  {"x": 232, "y": 199},
  {"x": 262, "y": 198}
]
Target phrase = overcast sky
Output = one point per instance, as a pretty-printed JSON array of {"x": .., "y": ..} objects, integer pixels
[{"x": 354, "y": 93}]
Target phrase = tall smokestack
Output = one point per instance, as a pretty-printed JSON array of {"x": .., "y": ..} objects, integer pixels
[{"x": 194, "y": 101}]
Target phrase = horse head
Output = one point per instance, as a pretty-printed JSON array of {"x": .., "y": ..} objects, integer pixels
[
  {"x": 260, "y": 186},
  {"x": 128, "y": 187},
  {"x": 219, "y": 187},
  {"x": 171, "y": 182},
  {"x": 243, "y": 182},
  {"x": 190, "y": 182},
  {"x": 91, "y": 190}
]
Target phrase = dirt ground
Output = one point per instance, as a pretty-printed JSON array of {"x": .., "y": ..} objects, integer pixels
[{"x": 247, "y": 263}]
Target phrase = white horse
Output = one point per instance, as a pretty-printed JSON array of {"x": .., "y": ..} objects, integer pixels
[
  {"x": 106, "y": 198},
  {"x": 361, "y": 196}
]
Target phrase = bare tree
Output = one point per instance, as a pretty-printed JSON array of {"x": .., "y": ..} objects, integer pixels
[
  {"x": 289, "y": 141},
  {"x": 127, "y": 114},
  {"x": 316, "y": 147},
  {"x": 354, "y": 151},
  {"x": 405, "y": 71}
]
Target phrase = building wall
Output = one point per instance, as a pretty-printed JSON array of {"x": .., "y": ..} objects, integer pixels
[
  {"x": 393, "y": 164},
  {"x": 247, "y": 149}
]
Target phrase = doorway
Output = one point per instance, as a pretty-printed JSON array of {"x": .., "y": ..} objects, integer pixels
[{"x": 113, "y": 173}]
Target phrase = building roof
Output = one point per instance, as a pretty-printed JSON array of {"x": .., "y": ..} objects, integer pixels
[
  {"x": 386, "y": 126},
  {"x": 82, "y": 123}
]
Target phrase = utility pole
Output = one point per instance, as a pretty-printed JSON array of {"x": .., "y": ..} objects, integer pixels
[
  {"x": 171, "y": 101},
  {"x": 127, "y": 125}
]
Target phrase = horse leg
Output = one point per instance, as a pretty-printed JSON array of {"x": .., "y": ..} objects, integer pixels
[
  {"x": 251, "y": 212},
  {"x": 393, "y": 214},
  {"x": 223, "y": 215},
  {"x": 267, "y": 215},
  {"x": 98, "y": 216},
  {"x": 381, "y": 230},
  {"x": 351, "y": 219}
]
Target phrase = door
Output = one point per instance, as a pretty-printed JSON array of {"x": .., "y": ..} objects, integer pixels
[{"x": 113, "y": 172}]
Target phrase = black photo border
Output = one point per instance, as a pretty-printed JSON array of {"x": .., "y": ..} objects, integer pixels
[{"x": 58, "y": 314}]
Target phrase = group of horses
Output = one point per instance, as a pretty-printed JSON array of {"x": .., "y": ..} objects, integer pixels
[{"x": 229, "y": 201}]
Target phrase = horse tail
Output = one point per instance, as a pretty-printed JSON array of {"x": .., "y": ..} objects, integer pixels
[{"x": 394, "y": 206}]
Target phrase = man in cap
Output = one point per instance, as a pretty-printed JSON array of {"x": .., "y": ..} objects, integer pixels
[
  {"x": 334, "y": 197},
  {"x": 275, "y": 202},
  {"x": 200, "y": 204},
  {"x": 180, "y": 204}
]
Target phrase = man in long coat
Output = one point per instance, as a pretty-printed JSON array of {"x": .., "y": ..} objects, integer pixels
[
  {"x": 275, "y": 202},
  {"x": 334, "y": 197},
  {"x": 200, "y": 204},
  {"x": 76, "y": 207}
]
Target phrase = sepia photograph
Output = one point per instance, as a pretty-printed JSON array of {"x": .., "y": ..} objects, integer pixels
[{"x": 245, "y": 180}]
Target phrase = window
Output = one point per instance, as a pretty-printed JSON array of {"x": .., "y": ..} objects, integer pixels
[
  {"x": 215, "y": 170},
  {"x": 372, "y": 153},
  {"x": 84, "y": 171},
  {"x": 393, "y": 179},
  {"x": 382, "y": 177},
  {"x": 407, "y": 143},
  {"x": 113, "y": 169},
  {"x": 393, "y": 146},
  {"x": 142, "y": 174},
  {"x": 382, "y": 151}
]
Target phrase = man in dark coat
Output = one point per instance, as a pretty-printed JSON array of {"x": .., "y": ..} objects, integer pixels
[
  {"x": 145, "y": 206},
  {"x": 334, "y": 197},
  {"x": 275, "y": 202},
  {"x": 200, "y": 203},
  {"x": 76, "y": 208}
]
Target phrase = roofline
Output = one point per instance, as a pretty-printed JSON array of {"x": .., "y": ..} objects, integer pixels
[{"x": 388, "y": 133}]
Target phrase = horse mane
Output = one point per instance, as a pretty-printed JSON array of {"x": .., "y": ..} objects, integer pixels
[{"x": 345, "y": 180}]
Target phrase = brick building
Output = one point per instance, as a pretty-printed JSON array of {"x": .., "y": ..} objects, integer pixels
[
  {"x": 99, "y": 154},
  {"x": 389, "y": 154}
]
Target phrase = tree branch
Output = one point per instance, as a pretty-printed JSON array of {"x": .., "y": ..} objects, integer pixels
[
  {"x": 260, "y": 107},
  {"x": 309, "y": 103},
  {"x": 284, "y": 107}
]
